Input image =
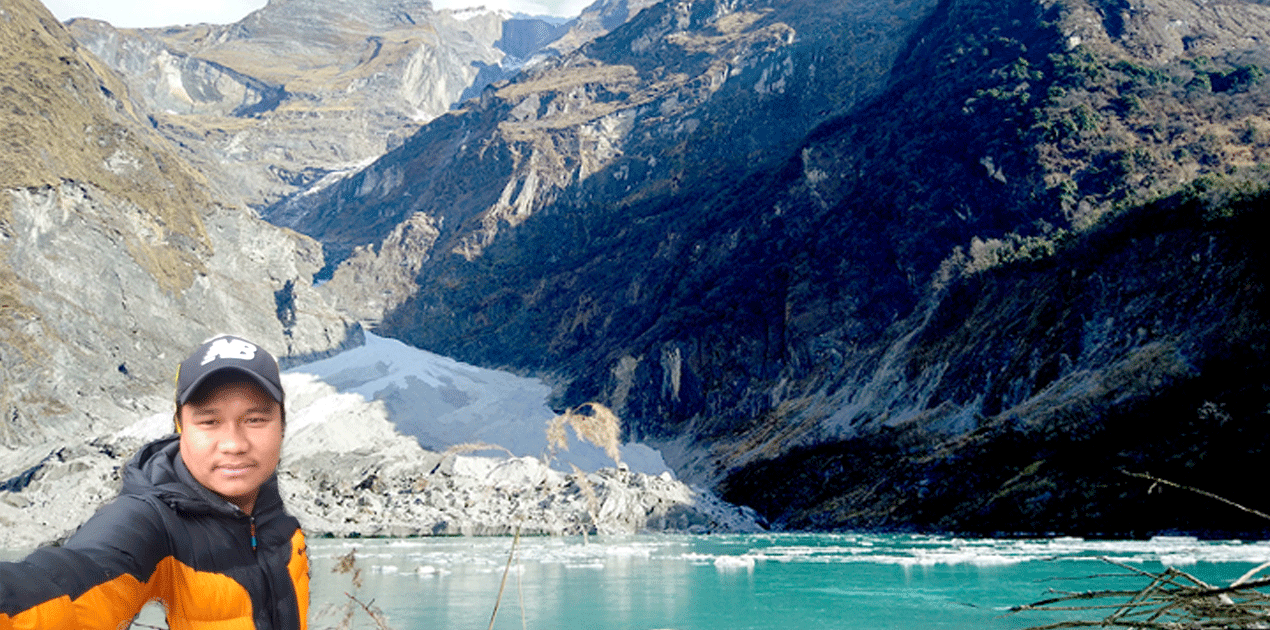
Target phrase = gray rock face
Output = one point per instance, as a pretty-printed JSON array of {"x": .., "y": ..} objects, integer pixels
[
  {"x": 115, "y": 261},
  {"x": 110, "y": 333},
  {"x": 167, "y": 81}
]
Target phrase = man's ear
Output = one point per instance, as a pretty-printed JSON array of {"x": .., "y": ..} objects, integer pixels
[{"x": 176, "y": 421}]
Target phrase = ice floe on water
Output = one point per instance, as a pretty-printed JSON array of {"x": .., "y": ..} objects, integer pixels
[
  {"x": 427, "y": 570},
  {"x": 734, "y": 563},
  {"x": 850, "y": 581},
  {"x": 745, "y": 552}
]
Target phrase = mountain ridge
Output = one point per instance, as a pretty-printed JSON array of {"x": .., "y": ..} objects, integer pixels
[
  {"x": 736, "y": 311},
  {"x": 297, "y": 94},
  {"x": 298, "y": 91},
  {"x": 568, "y": 124}
]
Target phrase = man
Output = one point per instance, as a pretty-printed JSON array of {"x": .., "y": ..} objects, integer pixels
[{"x": 199, "y": 525}]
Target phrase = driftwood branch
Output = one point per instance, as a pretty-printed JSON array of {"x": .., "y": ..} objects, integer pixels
[{"x": 1172, "y": 599}]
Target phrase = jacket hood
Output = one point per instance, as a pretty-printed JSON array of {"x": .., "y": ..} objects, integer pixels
[{"x": 157, "y": 470}]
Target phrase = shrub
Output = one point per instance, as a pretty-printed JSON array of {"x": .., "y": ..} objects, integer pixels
[
  {"x": 1085, "y": 117},
  {"x": 1239, "y": 79}
]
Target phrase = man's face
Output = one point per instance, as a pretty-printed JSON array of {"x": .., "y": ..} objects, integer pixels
[{"x": 231, "y": 440}]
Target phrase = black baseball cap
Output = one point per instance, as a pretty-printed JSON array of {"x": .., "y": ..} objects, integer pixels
[{"x": 226, "y": 352}]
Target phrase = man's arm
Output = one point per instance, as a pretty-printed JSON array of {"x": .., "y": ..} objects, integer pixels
[{"x": 98, "y": 579}]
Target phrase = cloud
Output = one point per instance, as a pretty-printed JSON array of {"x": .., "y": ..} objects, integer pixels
[
  {"x": 151, "y": 13},
  {"x": 146, "y": 13}
]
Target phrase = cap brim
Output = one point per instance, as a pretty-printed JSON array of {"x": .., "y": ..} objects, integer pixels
[{"x": 263, "y": 382}]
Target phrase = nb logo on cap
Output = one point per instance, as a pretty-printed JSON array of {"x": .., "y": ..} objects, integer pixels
[{"x": 230, "y": 349}]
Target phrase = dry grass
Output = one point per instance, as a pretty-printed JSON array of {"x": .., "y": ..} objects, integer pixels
[
  {"x": 593, "y": 423},
  {"x": 65, "y": 117},
  {"x": 588, "y": 491},
  {"x": 511, "y": 558}
]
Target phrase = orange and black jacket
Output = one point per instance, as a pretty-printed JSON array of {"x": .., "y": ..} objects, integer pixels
[{"x": 166, "y": 538}]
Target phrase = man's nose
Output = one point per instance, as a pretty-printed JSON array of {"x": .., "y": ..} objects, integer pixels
[{"x": 234, "y": 439}]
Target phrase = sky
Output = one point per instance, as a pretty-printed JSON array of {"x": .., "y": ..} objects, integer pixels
[{"x": 147, "y": 13}]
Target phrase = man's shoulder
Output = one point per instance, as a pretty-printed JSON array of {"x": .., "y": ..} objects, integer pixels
[{"x": 128, "y": 517}]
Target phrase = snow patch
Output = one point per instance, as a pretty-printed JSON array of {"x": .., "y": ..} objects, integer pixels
[{"x": 436, "y": 400}]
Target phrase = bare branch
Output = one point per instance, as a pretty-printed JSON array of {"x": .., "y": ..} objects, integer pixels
[
  {"x": 374, "y": 613},
  {"x": 1156, "y": 481},
  {"x": 503, "y": 584}
]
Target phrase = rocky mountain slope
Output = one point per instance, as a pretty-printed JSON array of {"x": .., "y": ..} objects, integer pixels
[
  {"x": 115, "y": 257},
  {"x": 302, "y": 92},
  {"x": 302, "y": 89},
  {"x": 911, "y": 264},
  {"x": 682, "y": 100}
]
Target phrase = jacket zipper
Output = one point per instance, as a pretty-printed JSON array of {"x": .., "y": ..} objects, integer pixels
[{"x": 252, "y": 519}]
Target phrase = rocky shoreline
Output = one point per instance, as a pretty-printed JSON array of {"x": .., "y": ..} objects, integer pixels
[
  {"x": 369, "y": 494},
  {"x": 347, "y": 472},
  {"x": 486, "y": 496}
]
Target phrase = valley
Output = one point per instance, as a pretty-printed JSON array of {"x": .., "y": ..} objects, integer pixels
[{"x": 911, "y": 265}]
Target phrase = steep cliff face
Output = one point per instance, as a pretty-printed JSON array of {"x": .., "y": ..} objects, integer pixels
[
  {"x": 850, "y": 247},
  {"x": 1094, "y": 328},
  {"x": 684, "y": 100},
  {"x": 114, "y": 258},
  {"x": 1018, "y": 397},
  {"x": 306, "y": 89}
]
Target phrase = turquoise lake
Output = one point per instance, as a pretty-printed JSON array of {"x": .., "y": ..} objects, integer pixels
[{"x": 735, "y": 582}]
